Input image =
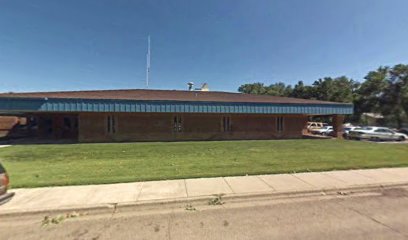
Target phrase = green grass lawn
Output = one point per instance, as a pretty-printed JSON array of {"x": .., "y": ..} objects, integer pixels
[{"x": 76, "y": 164}]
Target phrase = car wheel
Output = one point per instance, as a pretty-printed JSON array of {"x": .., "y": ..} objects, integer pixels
[{"x": 401, "y": 139}]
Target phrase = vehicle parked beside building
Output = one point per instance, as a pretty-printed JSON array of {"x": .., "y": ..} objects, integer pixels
[
  {"x": 326, "y": 130},
  {"x": 311, "y": 126},
  {"x": 376, "y": 134},
  {"x": 347, "y": 131}
]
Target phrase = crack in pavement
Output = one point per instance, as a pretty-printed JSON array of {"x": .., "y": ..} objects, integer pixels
[
  {"x": 105, "y": 226},
  {"x": 373, "y": 219},
  {"x": 169, "y": 225}
]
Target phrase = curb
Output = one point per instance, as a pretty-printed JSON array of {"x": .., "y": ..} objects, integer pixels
[{"x": 202, "y": 200}]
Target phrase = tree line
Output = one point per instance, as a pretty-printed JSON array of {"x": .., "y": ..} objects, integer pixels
[{"x": 384, "y": 91}]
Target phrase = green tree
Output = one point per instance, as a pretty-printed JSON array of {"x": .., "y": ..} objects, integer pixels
[
  {"x": 367, "y": 99},
  {"x": 279, "y": 89},
  {"x": 302, "y": 91},
  {"x": 393, "y": 99},
  {"x": 340, "y": 89},
  {"x": 384, "y": 90},
  {"x": 253, "y": 88},
  {"x": 276, "y": 89}
]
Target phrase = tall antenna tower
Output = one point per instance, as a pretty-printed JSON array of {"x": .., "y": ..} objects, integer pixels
[{"x": 148, "y": 62}]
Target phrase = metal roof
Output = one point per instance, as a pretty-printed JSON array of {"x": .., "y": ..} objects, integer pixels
[
  {"x": 19, "y": 105},
  {"x": 166, "y": 95}
]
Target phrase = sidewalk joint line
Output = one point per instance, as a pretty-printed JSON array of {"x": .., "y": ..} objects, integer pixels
[
  {"x": 138, "y": 189},
  {"x": 140, "y": 192},
  {"x": 294, "y": 175},
  {"x": 185, "y": 187},
  {"x": 259, "y": 177},
  {"x": 226, "y": 182}
]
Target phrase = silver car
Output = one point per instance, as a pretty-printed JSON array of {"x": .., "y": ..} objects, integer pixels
[
  {"x": 376, "y": 134},
  {"x": 347, "y": 130}
]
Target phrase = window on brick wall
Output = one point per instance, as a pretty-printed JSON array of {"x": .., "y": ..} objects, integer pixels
[
  {"x": 279, "y": 124},
  {"x": 226, "y": 124},
  {"x": 177, "y": 124},
  {"x": 111, "y": 124}
]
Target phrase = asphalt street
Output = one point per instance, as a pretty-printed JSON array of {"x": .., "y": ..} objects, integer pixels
[{"x": 375, "y": 214}]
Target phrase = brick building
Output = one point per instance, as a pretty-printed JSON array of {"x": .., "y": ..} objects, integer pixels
[{"x": 165, "y": 115}]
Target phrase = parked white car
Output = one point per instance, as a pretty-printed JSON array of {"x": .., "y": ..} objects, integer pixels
[
  {"x": 323, "y": 130},
  {"x": 315, "y": 125},
  {"x": 376, "y": 134}
]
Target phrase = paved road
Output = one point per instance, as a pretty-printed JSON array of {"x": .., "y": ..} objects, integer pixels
[{"x": 377, "y": 214}]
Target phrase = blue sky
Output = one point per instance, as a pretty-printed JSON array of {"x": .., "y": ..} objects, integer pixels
[{"x": 99, "y": 44}]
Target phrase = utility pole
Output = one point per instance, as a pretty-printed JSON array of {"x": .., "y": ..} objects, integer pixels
[{"x": 148, "y": 62}]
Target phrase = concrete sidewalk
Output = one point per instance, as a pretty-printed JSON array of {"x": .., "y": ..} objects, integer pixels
[{"x": 94, "y": 196}]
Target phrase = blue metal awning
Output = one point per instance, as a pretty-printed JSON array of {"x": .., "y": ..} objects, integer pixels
[{"x": 9, "y": 105}]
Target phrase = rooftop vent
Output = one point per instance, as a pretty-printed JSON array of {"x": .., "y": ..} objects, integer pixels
[
  {"x": 204, "y": 87},
  {"x": 190, "y": 86}
]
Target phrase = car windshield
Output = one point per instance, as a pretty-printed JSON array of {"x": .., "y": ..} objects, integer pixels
[
  {"x": 384, "y": 129},
  {"x": 362, "y": 128}
]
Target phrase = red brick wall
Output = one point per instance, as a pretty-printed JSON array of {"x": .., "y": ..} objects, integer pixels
[
  {"x": 294, "y": 126},
  {"x": 92, "y": 127},
  {"x": 159, "y": 127}
]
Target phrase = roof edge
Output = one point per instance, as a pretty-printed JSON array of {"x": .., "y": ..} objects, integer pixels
[{"x": 323, "y": 103}]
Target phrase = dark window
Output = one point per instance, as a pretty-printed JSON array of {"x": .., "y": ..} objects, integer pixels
[
  {"x": 75, "y": 123},
  {"x": 279, "y": 124},
  {"x": 226, "y": 124},
  {"x": 48, "y": 124},
  {"x": 111, "y": 124},
  {"x": 67, "y": 123},
  {"x": 177, "y": 124}
]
